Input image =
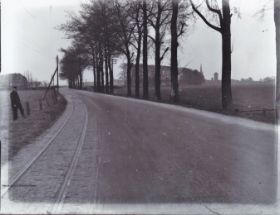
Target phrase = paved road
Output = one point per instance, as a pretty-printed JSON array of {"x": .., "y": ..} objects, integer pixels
[{"x": 133, "y": 151}]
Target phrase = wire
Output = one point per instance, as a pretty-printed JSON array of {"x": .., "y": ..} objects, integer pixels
[
  {"x": 27, "y": 11},
  {"x": 34, "y": 49}
]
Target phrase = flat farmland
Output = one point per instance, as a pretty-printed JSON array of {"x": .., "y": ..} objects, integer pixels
[
  {"x": 253, "y": 101},
  {"x": 23, "y": 131}
]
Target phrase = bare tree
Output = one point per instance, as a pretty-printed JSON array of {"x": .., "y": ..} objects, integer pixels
[
  {"x": 126, "y": 27},
  {"x": 159, "y": 20},
  {"x": 0, "y": 37},
  {"x": 29, "y": 78},
  {"x": 137, "y": 18},
  {"x": 97, "y": 29},
  {"x": 145, "y": 51},
  {"x": 224, "y": 17},
  {"x": 277, "y": 29},
  {"x": 79, "y": 30},
  {"x": 73, "y": 64},
  {"x": 177, "y": 27}
]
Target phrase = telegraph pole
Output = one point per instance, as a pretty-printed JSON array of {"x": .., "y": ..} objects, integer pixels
[
  {"x": 52, "y": 81},
  {"x": 57, "y": 78}
]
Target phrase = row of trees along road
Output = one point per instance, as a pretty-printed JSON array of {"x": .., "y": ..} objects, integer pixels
[
  {"x": 112, "y": 28},
  {"x": 109, "y": 28}
]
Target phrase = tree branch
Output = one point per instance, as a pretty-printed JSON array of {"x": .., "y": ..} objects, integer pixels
[
  {"x": 131, "y": 43},
  {"x": 165, "y": 18},
  {"x": 214, "y": 10},
  {"x": 204, "y": 19},
  {"x": 131, "y": 56},
  {"x": 181, "y": 31},
  {"x": 162, "y": 35},
  {"x": 165, "y": 51},
  {"x": 153, "y": 39},
  {"x": 151, "y": 22}
]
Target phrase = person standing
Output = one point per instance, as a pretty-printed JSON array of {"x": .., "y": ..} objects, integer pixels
[{"x": 16, "y": 104}]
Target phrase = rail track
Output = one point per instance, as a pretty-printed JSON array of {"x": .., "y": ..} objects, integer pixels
[
  {"x": 67, "y": 179},
  {"x": 61, "y": 194}
]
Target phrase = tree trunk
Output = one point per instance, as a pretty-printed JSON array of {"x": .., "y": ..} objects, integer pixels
[
  {"x": 98, "y": 78},
  {"x": 277, "y": 29},
  {"x": 137, "y": 78},
  {"x": 128, "y": 76},
  {"x": 145, "y": 52},
  {"x": 226, "y": 71},
  {"x": 77, "y": 83},
  {"x": 174, "y": 60},
  {"x": 102, "y": 72},
  {"x": 106, "y": 73},
  {"x": 94, "y": 79},
  {"x": 226, "y": 56},
  {"x": 111, "y": 66},
  {"x": 94, "y": 70},
  {"x": 157, "y": 64},
  {"x": 81, "y": 80}
]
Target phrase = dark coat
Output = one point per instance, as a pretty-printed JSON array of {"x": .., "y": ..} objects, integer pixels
[{"x": 15, "y": 100}]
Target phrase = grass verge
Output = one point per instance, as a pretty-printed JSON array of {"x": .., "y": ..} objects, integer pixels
[{"x": 24, "y": 130}]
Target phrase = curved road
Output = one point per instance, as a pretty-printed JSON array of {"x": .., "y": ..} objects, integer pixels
[{"x": 137, "y": 152}]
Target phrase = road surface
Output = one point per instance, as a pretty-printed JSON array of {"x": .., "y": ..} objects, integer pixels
[{"x": 113, "y": 150}]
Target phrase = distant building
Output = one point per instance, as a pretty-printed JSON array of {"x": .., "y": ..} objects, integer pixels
[
  {"x": 185, "y": 75},
  {"x": 15, "y": 79},
  {"x": 119, "y": 83},
  {"x": 216, "y": 76},
  {"x": 191, "y": 77},
  {"x": 35, "y": 84},
  {"x": 201, "y": 70}
]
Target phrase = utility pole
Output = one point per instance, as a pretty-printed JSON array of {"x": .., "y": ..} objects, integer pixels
[
  {"x": 52, "y": 81},
  {"x": 57, "y": 78}
]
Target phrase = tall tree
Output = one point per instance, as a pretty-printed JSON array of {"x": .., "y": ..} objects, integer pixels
[
  {"x": 97, "y": 29},
  {"x": 125, "y": 34},
  {"x": 174, "y": 46},
  {"x": 73, "y": 63},
  {"x": 224, "y": 17},
  {"x": 145, "y": 51},
  {"x": 177, "y": 28},
  {"x": 159, "y": 20},
  {"x": 277, "y": 29},
  {"x": 0, "y": 38},
  {"x": 137, "y": 17}
]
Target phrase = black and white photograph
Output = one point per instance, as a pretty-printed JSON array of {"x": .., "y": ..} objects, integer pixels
[{"x": 140, "y": 107}]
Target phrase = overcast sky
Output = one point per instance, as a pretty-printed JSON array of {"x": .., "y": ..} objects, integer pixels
[{"x": 30, "y": 41}]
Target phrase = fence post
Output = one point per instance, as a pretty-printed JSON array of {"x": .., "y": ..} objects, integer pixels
[
  {"x": 40, "y": 104},
  {"x": 57, "y": 77},
  {"x": 47, "y": 102},
  {"x": 54, "y": 96},
  {"x": 27, "y": 108}
]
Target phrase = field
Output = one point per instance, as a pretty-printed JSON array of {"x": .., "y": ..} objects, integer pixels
[
  {"x": 22, "y": 131},
  {"x": 254, "y": 101}
]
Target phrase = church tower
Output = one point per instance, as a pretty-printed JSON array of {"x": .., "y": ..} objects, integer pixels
[{"x": 200, "y": 70}]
